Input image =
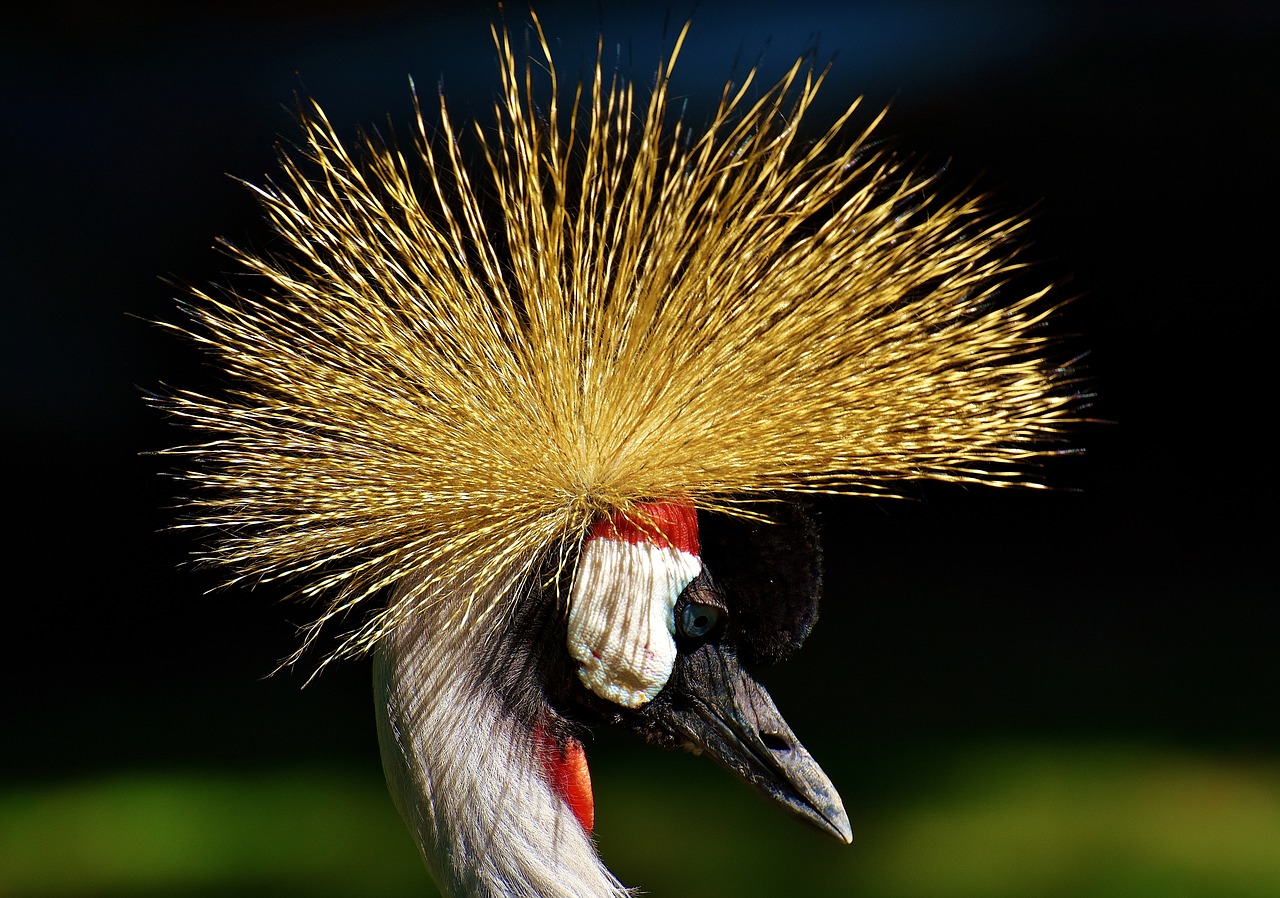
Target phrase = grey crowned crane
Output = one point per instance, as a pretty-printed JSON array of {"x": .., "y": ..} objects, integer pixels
[
  {"x": 504, "y": 734},
  {"x": 549, "y": 402}
]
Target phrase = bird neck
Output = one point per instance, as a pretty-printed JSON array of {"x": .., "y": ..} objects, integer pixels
[{"x": 483, "y": 771}]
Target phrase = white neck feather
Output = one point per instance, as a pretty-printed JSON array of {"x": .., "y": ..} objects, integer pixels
[{"x": 466, "y": 776}]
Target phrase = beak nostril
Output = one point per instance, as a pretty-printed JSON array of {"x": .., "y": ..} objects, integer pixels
[{"x": 775, "y": 741}]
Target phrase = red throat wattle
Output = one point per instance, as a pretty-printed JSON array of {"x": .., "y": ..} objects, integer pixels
[{"x": 565, "y": 766}]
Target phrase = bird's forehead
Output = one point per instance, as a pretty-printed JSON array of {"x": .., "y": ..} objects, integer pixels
[
  {"x": 632, "y": 569},
  {"x": 671, "y": 524}
]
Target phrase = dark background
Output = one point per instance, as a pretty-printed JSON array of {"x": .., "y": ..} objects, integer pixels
[{"x": 1136, "y": 600}]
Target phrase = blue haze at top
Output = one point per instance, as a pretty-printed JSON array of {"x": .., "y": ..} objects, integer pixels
[{"x": 884, "y": 50}]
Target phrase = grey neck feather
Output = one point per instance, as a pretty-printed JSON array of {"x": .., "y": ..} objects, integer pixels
[{"x": 465, "y": 775}]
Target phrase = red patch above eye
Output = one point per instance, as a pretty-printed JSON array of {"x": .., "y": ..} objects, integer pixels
[{"x": 662, "y": 524}]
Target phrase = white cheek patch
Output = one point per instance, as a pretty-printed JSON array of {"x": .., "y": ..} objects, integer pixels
[{"x": 621, "y": 606}]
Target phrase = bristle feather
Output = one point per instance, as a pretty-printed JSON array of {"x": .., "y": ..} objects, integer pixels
[{"x": 452, "y": 370}]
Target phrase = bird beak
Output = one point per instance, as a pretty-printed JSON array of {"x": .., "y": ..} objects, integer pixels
[{"x": 714, "y": 706}]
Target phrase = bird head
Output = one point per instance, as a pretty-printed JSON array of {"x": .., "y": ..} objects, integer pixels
[
  {"x": 505, "y": 711},
  {"x": 545, "y": 404},
  {"x": 724, "y": 629}
]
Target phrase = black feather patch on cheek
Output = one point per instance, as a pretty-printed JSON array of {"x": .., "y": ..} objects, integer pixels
[{"x": 771, "y": 577}]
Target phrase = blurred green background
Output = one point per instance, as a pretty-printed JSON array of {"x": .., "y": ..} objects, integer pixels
[
  {"x": 1053, "y": 693},
  {"x": 982, "y": 819}
]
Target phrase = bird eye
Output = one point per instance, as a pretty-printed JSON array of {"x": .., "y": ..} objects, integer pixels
[{"x": 697, "y": 619}]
